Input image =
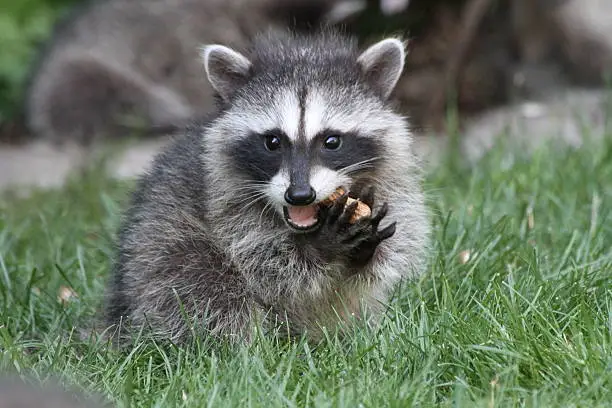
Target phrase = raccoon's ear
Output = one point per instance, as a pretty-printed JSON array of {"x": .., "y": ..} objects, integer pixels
[
  {"x": 226, "y": 69},
  {"x": 382, "y": 64}
]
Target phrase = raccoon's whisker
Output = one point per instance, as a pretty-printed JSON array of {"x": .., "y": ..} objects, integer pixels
[
  {"x": 385, "y": 185},
  {"x": 253, "y": 201},
  {"x": 247, "y": 195},
  {"x": 267, "y": 207},
  {"x": 253, "y": 196},
  {"x": 370, "y": 160},
  {"x": 381, "y": 182},
  {"x": 249, "y": 182},
  {"x": 250, "y": 187},
  {"x": 249, "y": 190},
  {"x": 358, "y": 166}
]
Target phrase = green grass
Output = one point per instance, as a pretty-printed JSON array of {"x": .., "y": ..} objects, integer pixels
[{"x": 527, "y": 321}]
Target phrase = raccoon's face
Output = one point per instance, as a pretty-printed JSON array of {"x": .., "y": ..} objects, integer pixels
[
  {"x": 297, "y": 136},
  {"x": 295, "y": 174}
]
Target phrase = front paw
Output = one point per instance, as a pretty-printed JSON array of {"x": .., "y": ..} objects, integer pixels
[{"x": 355, "y": 241}]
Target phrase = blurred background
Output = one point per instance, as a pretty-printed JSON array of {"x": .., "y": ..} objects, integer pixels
[
  {"x": 24, "y": 26},
  {"x": 77, "y": 75}
]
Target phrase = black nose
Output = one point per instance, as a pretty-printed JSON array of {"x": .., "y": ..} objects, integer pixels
[{"x": 300, "y": 195}]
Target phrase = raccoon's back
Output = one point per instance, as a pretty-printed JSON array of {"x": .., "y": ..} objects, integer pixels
[
  {"x": 176, "y": 175},
  {"x": 168, "y": 206}
]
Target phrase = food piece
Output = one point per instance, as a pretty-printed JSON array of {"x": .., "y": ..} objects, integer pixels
[{"x": 362, "y": 210}]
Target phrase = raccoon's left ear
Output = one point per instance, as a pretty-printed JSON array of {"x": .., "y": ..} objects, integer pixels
[
  {"x": 226, "y": 69},
  {"x": 382, "y": 64}
]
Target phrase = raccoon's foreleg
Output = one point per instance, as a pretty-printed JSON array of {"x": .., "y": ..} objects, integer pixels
[
  {"x": 356, "y": 243},
  {"x": 178, "y": 287},
  {"x": 179, "y": 308}
]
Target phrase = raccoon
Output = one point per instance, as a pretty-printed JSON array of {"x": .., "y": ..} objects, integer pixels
[
  {"x": 120, "y": 67},
  {"x": 227, "y": 230}
]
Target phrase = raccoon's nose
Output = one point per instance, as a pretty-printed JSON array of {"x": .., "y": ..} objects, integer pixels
[{"x": 298, "y": 195}]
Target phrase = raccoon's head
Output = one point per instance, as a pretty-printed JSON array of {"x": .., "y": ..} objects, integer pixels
[{"x": 302, "y": 115}]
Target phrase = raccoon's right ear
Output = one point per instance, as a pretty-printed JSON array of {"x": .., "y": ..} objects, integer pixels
[{"x": 226, "y": 69}]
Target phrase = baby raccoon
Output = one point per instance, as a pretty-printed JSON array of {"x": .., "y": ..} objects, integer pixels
[{"x": 229, "y": 229}]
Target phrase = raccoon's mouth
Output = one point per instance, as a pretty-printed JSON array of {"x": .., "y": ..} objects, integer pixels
[{"x": 302, "y": 218}]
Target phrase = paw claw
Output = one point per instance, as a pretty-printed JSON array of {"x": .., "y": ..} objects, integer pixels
[
  {"x": 337, "y": 208},
  {"x": 348, "y": 213},
  {"x": 367, "y": 196},
  {"x": 387, "y": 232},
  {"x": 380, "y": 214}
]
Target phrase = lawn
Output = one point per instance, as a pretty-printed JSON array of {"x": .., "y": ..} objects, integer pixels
[{"x": 515, "y": 308}]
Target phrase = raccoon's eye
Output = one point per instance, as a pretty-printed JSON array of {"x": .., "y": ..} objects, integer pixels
[
  {"x": 332, "y": 142},
  {"x": 272, "y": 142}
]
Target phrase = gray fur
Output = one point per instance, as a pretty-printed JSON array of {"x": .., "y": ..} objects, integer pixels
[
  {"x": 119, "y": 65},
  {"x": 199, "y": 232}
]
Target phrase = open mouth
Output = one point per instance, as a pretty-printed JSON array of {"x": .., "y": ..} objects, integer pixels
[{"x": 302, "y": 218}]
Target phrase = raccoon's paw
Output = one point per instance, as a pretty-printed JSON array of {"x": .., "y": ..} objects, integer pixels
[
  {"x": 357, "y": 241},
  {"x": 365, "y": 236}
]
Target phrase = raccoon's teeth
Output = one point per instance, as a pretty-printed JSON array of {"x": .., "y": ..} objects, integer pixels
[{"x": 303, "y": 216}]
